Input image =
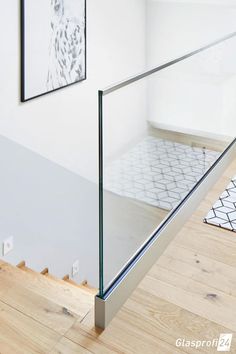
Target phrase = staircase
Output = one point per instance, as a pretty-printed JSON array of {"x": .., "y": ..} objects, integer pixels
[
  {"x": 56, "y": 300},
  {"x": 65, "y": 280}
]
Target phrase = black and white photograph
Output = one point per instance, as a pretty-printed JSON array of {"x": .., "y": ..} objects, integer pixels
[{"x": 53, "y": 45}]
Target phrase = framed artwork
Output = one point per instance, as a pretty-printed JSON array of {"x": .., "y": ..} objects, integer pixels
[{"x": 53, "y": 45}]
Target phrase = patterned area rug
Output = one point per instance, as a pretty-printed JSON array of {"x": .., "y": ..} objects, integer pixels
[
  {"x": 158, "y": 172},
  {"x": 223, "y": 212}
]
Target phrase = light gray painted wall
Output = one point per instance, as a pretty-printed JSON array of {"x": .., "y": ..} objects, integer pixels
[{"x": 51, "y": 212}]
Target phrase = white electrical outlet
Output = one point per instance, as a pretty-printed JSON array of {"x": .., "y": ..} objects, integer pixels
[
  {"x": 75, "y": 268},
  {"x": 7, "y": 245}
]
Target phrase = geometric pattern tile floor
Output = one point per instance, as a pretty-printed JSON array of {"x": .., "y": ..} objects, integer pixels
[
  {"x": 223, "y": 212},
  {"x": 158, "y": 172}
]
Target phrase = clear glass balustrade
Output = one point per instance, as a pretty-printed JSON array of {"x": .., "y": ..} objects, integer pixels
[{"x": 160, "y": 132}]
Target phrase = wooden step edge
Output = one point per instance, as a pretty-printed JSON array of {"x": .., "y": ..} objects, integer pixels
[
  {"x": 69, "y": 282},
  {"x": 52, "y": 277},
  {"x": 72, "y": 282},
  {"x": 45, "y": 271},
  {"x": 90, "y": 290},
  {"x": 28, "y": 270},
  {"x": 86, "y": 285},
  {"x": 22, "y": 264},
  {"x": 67, "y": 279},
  {"x": 83, "y": 286}
]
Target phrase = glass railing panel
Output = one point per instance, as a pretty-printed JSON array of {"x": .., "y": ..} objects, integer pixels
[
  {"x": 124, "y": 227},
  {"x": 161, "y": 134}
]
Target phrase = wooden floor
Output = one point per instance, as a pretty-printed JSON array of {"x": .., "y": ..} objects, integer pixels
[{"x": 189, "y": 293}]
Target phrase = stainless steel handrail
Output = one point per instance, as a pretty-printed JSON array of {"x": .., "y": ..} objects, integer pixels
[{"x": 138, "y": 77}]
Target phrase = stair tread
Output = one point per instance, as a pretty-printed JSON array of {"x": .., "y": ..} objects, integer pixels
[{"x": 64, "y": 294}]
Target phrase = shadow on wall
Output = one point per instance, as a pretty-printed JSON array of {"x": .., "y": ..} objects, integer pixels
[{"x": 52, "y": 213}]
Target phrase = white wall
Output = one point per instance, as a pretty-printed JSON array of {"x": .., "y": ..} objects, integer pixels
[
  {"x": 63, "y": 126},
  {"x": 193, "y": 94},
  {"x": 176, "y": 27}
]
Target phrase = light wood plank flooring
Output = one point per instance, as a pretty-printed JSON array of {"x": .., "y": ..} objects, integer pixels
[{"x": 189, "y": 293}]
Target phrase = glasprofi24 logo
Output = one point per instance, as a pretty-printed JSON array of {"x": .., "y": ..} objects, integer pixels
[{"x": 221, "y": 344}]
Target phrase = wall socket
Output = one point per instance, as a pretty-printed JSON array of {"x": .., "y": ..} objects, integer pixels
[
  {"x": 7, "y": 245},
  {"x": 75, "y": 268}
]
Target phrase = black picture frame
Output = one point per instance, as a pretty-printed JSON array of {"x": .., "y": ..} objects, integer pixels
[{"x": 23, "y": 97}]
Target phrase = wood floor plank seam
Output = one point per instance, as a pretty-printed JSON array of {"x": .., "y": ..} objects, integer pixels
[
  {"x": 196, "y": 310},
  {"x": 190, "y": 278},
  {"x": 24, "y": 337},
  {"x": 197, "y": 281},
  {"x": 63, "y": 337},
  {"x": 210, "y": 256},
  {"x": 228, "y": 296},
  {"x": 31, "y": 318},
  {"x": 127, "y": 307},
  {"x": 83, "y": 318},
  {"x": 198, "y": 253},
  {"x": 94, "y": 336},
  {"x": 71, "y": 340},
  {"x": 220, "y": 285},
  {"x": 211, "y": 232},
  {"x": 150, "y": 334}
]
